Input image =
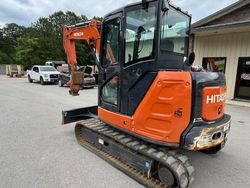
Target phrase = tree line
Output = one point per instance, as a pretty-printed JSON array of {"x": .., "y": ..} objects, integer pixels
[{"x": 42, "y": 41}]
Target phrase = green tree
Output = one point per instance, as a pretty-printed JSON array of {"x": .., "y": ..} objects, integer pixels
[
  {"x": 28, "y": 52},
  {"x": 8, "y": 36},
  {"x": 13, "y": 31},
  {"x": 42, "y": 41},
  {"x": 50, "y": 33},
  {"x": 98, "y": 18},
  {"x": 83, "y": 53},
  {"x": 5, "y": 59}
]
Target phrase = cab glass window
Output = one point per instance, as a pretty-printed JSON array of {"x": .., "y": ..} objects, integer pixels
[
  {"x": 140, "y": 34},
  {"x": 111, "y": 42},
  {"x": 110, "y": 90},
  {"x": 174, "y": 32}
]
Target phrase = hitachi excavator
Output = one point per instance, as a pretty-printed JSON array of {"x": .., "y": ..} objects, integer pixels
[{"x": 150, "y": 105}]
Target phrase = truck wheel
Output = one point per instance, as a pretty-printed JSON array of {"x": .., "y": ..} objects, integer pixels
[
  {"x": 41, "y": 81},
  {"x": 60, "y": 84},
  {"x": 30, "y": 80}
]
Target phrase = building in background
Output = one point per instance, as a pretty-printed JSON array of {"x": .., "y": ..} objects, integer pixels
[{"x": 221, "y": 42}]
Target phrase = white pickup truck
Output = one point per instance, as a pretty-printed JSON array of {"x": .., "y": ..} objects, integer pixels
[{"x": 43, "y": 74}]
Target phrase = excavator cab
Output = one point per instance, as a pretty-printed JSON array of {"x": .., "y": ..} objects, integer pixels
[{"x": 142, "y": 39}]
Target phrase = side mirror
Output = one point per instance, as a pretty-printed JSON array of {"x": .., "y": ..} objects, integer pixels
[
  {"x": 189, "y": 61},
  {"x": 191, "y": 58},
  {"x": 165, "y": 5}
]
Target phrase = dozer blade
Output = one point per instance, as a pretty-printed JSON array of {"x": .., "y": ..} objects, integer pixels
[{"x": 78, "y": 114}]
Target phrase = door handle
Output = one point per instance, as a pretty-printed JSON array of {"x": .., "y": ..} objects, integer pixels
[{"x": 137, "y": 72}]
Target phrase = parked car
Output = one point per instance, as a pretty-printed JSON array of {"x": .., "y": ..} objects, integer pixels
[
  {"x": 64, "y": 77},
  {"x": 43, "y": 74}
]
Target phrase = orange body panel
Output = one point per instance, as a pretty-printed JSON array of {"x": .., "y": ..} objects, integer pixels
[
  {"x": 163, "y": 114},
  {"x": 213, "y": 102},
  {"x": 116, "y": 119}
]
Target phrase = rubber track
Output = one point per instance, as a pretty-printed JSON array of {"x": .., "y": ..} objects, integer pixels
[{"x": 178, "y": 163}]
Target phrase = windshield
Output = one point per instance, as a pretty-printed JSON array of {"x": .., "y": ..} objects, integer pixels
[
  {"x": 49, "y": 68},
  {"x": 140, "y": 31},
  {"x": 175, "y": 32},
  {"x": 66, "y": 70}
]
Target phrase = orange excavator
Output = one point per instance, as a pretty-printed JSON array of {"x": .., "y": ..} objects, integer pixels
[
  {"x": 90, "y": 33},
  {"x": 150, "y": 105}
]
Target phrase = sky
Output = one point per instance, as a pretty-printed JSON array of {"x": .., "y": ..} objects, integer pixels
[{"x": 25, "y": 12}]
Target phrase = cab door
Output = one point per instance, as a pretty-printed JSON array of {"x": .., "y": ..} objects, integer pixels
[
  {"x": 140, "y": 49},
  {"x": 109, "y": 76}
]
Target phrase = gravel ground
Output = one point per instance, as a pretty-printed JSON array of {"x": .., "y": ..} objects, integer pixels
[{"x": 35, "y": 151}]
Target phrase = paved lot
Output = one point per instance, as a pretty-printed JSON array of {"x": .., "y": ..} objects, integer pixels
[{"x": 35, "y": 151}]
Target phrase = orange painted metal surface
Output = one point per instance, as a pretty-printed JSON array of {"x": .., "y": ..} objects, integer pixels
[
  {"x": 116, "y": 119},
  {"x": 165, "y": 111},
  {"x": 213, "y": 102}
]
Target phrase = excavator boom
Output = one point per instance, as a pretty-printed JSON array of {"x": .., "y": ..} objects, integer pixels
[{"x": 89, "y": 32}]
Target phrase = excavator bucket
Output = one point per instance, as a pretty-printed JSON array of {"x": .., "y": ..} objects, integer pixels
[{"x": 78, "y": 78}]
